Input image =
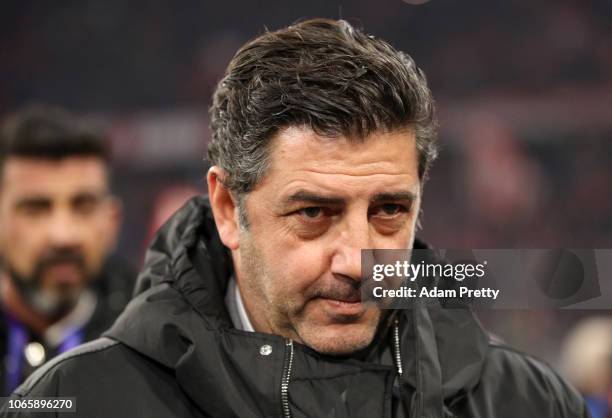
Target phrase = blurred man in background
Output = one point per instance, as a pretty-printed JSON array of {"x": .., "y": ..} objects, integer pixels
[{"x": 58, "y": 224}]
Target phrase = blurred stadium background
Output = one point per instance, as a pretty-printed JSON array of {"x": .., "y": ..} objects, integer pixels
[{"x": 524, "y": 90}]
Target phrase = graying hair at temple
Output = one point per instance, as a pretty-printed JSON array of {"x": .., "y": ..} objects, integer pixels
[{"x": 322, "y": 74}]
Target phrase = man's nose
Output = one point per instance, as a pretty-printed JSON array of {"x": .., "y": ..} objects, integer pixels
[
  {"x": 354, "y": 237},
  {"x": 63, "y": 229}
]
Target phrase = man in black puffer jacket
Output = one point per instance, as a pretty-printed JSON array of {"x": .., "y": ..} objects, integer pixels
[{"x": 249, "y": 303}]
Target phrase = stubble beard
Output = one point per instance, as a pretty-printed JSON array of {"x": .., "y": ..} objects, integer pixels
[{"x": 287, "y": 317}]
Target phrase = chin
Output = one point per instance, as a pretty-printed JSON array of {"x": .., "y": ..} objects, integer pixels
[{"x": 339, "y": 339}]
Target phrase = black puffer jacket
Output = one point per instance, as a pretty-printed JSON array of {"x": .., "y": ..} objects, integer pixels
[{"x": 174, "y": 353}]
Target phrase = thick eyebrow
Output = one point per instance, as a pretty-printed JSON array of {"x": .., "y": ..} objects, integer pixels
[
  {"x": 29, "y": 201},
  {"x": 97, "y": 194},
  {"x": 303, "y": 196},
  {"x": 393, "y": 197}
]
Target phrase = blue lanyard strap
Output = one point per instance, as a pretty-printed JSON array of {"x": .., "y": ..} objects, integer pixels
[
  {"x": 18, "y": 338},
  {"x": 71, "y": 340}
]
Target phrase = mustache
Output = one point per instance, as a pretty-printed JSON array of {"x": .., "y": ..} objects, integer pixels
[
  {"x": 57, "y": 256},
  {"x": 344, "y": 289}
]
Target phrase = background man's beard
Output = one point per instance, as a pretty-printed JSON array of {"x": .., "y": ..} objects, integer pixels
[{"x": 52, "y": 302}]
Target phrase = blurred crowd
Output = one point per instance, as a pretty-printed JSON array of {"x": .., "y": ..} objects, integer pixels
[{"x": 153, "y": 53}]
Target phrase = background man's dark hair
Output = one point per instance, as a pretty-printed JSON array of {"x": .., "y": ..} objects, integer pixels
[
  {"x": 50, "y": 133},
  {"x": 322, "y": 74}
]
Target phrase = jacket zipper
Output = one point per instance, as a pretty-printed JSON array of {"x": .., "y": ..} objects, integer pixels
[
  {"x": 396, "y": 346},
  {"x": 289, "y": 365},
  {"x": 285, "y": 379}
]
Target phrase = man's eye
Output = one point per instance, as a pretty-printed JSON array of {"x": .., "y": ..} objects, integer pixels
[
  {"x": 34, "y": 208},
  {"x": 388, "y": 209},
  {"x": 312, "y": 212},
  {"x": 85, "y": 205}
]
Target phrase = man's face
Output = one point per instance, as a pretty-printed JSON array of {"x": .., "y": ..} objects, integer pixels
[
  {"x": 321, "y": 202},
  {"x": 57, "y": 224}
]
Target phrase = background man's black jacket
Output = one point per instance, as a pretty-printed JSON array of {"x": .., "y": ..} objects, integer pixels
[
  {"x": 113, "y": 290},
  {"x": 174, "y": 353}
]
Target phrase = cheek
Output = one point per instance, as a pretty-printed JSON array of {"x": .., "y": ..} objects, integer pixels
[
  {"x": 20, "y": 244},
  {"x": 96, "y": 240},
  {"x": 306, "y": 266},
  {"x": 294, "y": 267}
]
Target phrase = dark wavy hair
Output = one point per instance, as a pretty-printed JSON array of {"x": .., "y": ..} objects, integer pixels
[
  {"x": 50, "y": 133},
  {"x": 323, "y": 74}
]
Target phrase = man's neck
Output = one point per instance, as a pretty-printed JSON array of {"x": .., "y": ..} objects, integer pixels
[
  {"x": 235, "y": 305},
  {"x": 14, "y": 304}
]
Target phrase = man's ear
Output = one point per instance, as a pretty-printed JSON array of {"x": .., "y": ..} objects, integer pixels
[
  {"x": 223, "y": 207},
  {"x": 114, "y": 221}
]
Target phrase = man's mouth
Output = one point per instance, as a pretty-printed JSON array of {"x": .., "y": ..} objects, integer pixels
[
  {"x": 66, "y": 273},
  {"x": 344, "y": 307},
  {"x": 352, "y": 297}
]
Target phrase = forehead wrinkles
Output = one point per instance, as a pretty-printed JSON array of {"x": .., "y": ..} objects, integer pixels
[
  {"x": 301, "y": 150},
  {"x": 379, "y": 170}
]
